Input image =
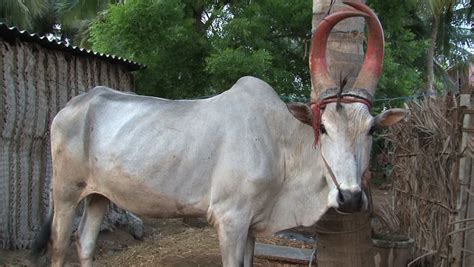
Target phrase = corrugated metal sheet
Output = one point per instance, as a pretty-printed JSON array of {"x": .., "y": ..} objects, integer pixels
[{"x": 12, "y": 33}]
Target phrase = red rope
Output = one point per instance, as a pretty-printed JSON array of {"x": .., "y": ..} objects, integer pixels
[{"x": 320, "y": 105}]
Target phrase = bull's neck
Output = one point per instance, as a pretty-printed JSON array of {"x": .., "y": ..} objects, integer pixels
[
  {"x": 302, "y": 159},
  {"x": 305, "y": 186}
]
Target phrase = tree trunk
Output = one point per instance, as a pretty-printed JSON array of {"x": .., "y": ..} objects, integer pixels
[
  {"x": 343, "y": 240},
  {"x": 430, "y": 59}
]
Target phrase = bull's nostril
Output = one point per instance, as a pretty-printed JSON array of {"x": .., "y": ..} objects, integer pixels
[
  {"x": 340, "y": 198},
  {"x": 357, "y": 197}
]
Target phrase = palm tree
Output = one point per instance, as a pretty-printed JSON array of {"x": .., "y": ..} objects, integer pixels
[
  {"x": 345, "y": 56},
  {"x": 39, "y": 16},
  {"x": 76, "y": 17},
  {"x": 20, "y": 13},
  {"x": 437, "y": 8},
  {"x": 448, "y": 37}
]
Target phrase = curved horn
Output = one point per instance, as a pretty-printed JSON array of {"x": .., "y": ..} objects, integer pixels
[
  {"x": 373, "y": 62},
  {"x": 317, "y": 61}
]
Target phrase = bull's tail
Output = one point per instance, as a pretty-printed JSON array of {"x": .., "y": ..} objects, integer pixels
[
  {"x": 39, "y": 247},
  {"x": 40, "y": 244}
]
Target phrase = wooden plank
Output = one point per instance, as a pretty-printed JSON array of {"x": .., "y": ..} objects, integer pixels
[
  {"x": 468, "y": 245},
  {"x": 282, "y": 253}
]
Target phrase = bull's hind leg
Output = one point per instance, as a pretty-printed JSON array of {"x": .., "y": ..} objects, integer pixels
[
  {"x": 64, "y": 211},
  {"x": 94, "y": 210}
]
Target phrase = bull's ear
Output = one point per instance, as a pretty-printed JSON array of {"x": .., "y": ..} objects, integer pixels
[
  {"x": 302, "y": 112},
  {"x": 390, "y": 117}
]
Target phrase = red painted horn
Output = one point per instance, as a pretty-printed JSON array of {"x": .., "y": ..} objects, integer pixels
[
  {"x": 373, "y": 62},
  {"x": 320, "y": 77}
]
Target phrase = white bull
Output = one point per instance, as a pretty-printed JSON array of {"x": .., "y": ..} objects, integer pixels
[{"x": 241, "y": 157}]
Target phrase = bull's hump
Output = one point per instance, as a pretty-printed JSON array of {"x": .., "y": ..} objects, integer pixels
[{"x": 255, "y": 87}]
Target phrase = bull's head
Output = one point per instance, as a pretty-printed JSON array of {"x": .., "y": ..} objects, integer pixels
[{"x": 340, "y": 117}]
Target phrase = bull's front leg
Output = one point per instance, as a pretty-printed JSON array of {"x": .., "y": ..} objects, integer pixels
[
  {"x": 249, "y": 251},
  {"x": 233, "y": 230}
]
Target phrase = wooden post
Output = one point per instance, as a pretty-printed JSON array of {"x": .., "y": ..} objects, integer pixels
[{"x": 463, "y": 243}]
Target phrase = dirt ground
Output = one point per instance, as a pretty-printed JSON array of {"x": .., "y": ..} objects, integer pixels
[{"x": 167, "y": 242}]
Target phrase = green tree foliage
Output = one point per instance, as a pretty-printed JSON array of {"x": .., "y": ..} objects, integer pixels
[
  {"x": 76, "y": 17},
  {"x": 423, "y": 37},
  {"x": 21, "y": 13},
  {"x": 201, "y": 47},
  {"x": 447, "y": 23},
  {"x": 196, "y": 48},
  {"x": 405, "y": 46},
  {"x": 39, "y": 16},
  {"x": 160, "y": 35},
  {"x": 455, "y": 35},
  {"x": 266, "y": 39}
]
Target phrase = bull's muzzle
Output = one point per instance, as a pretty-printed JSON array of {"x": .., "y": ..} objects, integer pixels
[{"x": 349, "y": 201}]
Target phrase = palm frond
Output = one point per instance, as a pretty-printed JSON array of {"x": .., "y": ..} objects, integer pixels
[
  {"x": 22, "y": 13},
  {"x": 443, "y": 75}
]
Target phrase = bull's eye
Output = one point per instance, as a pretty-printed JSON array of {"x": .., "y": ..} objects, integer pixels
[
  {"x": 372, "y": 130},
  {"x": 322, "y": 129}
]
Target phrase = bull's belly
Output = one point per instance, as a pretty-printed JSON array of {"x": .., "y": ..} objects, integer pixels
[
  {"x": 158, "y": 206},
  {"x": 145, "y": 200}
]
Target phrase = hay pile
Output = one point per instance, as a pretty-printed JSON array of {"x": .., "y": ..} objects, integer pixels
[
  {"x": 424, "y": 153},
  {"x": 169, "y": 242}
]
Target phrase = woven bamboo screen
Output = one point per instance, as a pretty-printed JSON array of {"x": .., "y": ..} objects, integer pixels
[
  {"x": 35, "y": 83},
  {"x": 426, "y": 152}
]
